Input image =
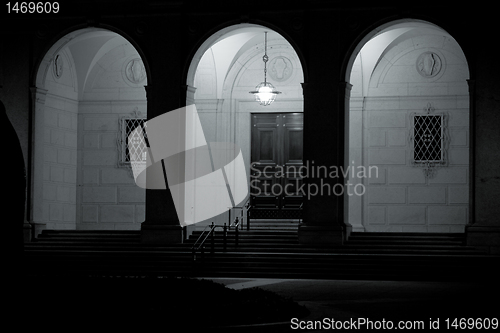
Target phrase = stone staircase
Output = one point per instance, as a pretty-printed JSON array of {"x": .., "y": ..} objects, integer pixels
[{"x": 265, "y": 250}]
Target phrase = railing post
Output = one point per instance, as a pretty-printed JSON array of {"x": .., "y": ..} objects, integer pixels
[
  {"x": 236, "y": 232},
  {"x": 224, "y": 237},
  {"x": 241, "y": 218},
  {"x": 248, "y": 216},
  {"x": 212, "y": 238}
]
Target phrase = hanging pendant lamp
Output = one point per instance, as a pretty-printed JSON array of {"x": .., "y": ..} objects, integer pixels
[{"x": 265, "y": 93}]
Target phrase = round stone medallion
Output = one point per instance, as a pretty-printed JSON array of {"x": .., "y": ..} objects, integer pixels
[
  {"x": 135, "y": 71},
  {"x": 58, "y": 66},
  {"x": 429, "y": 64},
  {"x": 280, "y": 69}
]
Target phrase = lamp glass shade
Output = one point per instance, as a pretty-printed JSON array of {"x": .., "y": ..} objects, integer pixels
[{"x": 265, "y": 93}]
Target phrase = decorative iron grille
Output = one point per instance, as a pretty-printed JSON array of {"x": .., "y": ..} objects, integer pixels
[
  {"x": 135, "y": 143},
  {"x": 132, "y": 143},
  {"x": 428, "y": 140},
  {"x": 428, "y": 134}
]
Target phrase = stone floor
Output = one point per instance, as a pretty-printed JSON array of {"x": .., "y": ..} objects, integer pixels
[{"x": 375, "y": 301}]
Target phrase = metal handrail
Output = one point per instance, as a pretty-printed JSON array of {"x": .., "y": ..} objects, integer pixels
[
  {"x": 249, "y": 210},
  {"x": 247, "y": 217},
  {"x": 211, "y": 233},
  {"x": 300, "y": 210},
  {"x": 236, "y": 222},
  {"x": 229, "y": 215},
  {"x": 201, "y": 235},
  {"x": 242, "y": 217}
]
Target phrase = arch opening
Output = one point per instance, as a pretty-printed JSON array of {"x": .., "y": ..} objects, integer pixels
[
  {"x": 225, "y": 68},
  {"x": 402, "y": 73},
  {"x": 87, "y": 85}
]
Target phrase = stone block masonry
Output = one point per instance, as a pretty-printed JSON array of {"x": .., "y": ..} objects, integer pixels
[
  {"x": 403, "y": 197},
  {"x": 109, "y": 196}
]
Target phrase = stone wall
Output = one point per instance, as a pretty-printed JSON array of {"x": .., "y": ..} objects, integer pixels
[
  {"x": 57, "y": 122},
  {"x": 60, "y": 162},
  {"x": 401, "y": 197},
  {"x": 78, "y": 106},
  {"x": 108, "y": 196}
]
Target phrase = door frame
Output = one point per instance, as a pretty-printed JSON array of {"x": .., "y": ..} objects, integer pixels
[{"x": 293, "y": 212}]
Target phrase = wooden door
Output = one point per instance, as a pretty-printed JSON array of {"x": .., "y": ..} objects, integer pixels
[{"x": 276, "y": 158}]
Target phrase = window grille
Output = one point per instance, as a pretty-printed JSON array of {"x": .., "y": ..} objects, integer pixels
[
  {"x": 134, "y": 140},
  {"x": 132, "y": 143},
  {"x": 428, "y": 140},
  {"x": 428, "y": 134}
]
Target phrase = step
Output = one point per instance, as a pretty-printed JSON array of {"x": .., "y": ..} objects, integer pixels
[
  {"x": 378, "y": 260},
  {"x": 403, "y": 234},
  {"x": 272, "y": 260},
  {"x": 272, "y": 223},
  {"x": 405, "y": 242},
  {"x": 409, "y": 237},
  {"x": 92, "y": 232},
  {"x": 241, "y": 241},
  {"x": 276, "y": 248},
  {"x": 258, "y": 243},
  {"x": 271, "y": 227},
  {"x": 252, "y": 242},
  {"x": 88, "y": 239},
  {"x": 251, "y": 234},
  {"x": 261, "y": 253}
]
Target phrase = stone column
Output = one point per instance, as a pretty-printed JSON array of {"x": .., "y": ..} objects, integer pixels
[
  {"x": 162, "y": 224},
  {"x": 14, "y": 202},
  {"x": 483, "y": 230},
  {"x": 34, "y": 228},
  {"x": 324, "y": 137},
  {"x": 190, "y": 91},
  {"x": 345, "y": 90},
  {"x": 472, "y": 133}
]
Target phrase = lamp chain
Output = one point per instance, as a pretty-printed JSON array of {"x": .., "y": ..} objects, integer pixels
[{"x": 265, "y": 58}]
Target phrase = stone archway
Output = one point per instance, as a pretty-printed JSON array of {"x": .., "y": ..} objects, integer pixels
[
  {"x": 87, "y": 85},
  {"x": 226, "y": 67},
  {"x": 401, "y": 70}
]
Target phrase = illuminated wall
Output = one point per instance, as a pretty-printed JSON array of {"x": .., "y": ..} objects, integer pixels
[{"x": 391, "y": 80}]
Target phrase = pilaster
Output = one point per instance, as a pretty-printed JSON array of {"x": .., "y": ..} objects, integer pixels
[
  {"x": 34, "y": 228},
  {"x": 324, "y": 132},
  {"x": 483, "y": 229},
  {"x": 161, "y": 225},
  {"x": 345, "y": 90}
]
